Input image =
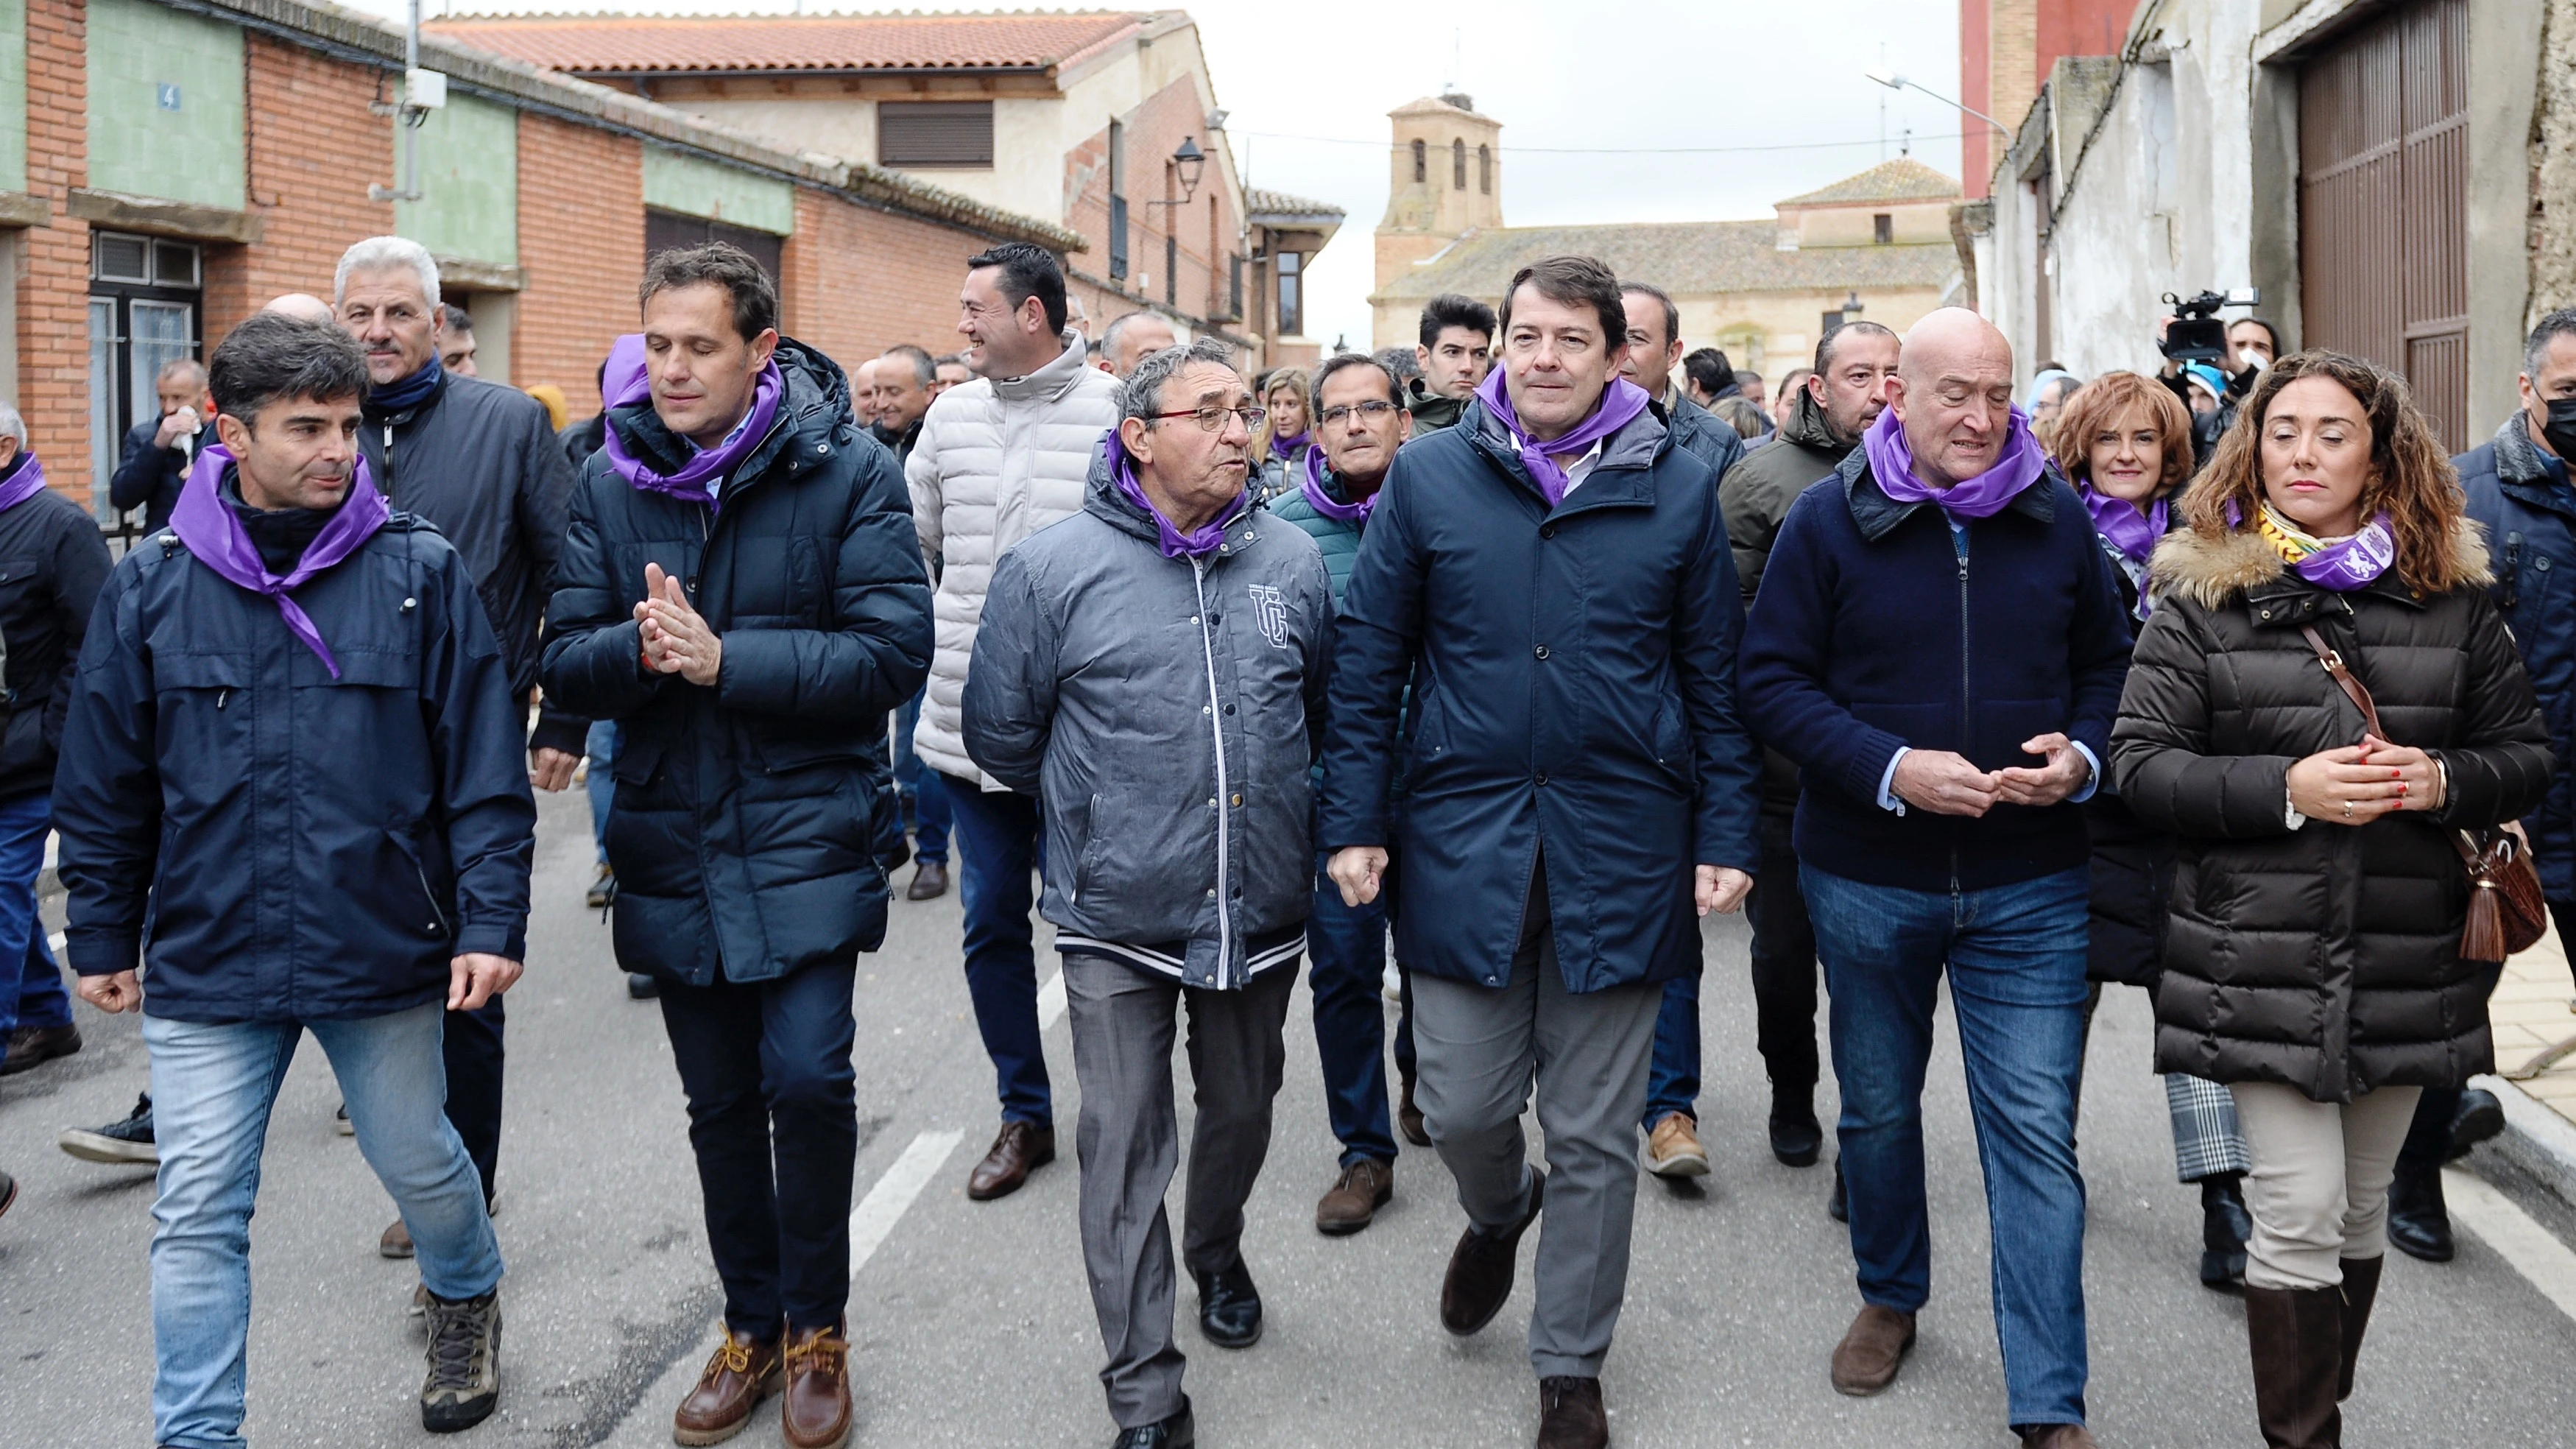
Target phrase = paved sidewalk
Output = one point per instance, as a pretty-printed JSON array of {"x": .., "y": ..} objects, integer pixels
[{"x": 2533, "y": 1009}]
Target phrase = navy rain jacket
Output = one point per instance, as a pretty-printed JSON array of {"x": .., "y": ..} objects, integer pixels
[
  {"x": 1576, "y": 690},
  {"x": 754, "y": 822},
  {"x": 2530, "y": 521},
  {"x": 279, "y": 845}
]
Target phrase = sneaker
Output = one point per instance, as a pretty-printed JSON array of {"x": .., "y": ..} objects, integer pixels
[
  {"x": 8, "y": 1193},
  {"x": 603, "y": 888},
  {"x": 126, "y": 1141},
  {"x": 464, "y": 1381},
  {"x": 31, "y": 1047},
  {"x": 1673, "y": 1150}
]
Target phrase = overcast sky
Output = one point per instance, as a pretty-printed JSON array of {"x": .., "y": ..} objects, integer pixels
[{"x": 1612, "y": 110}]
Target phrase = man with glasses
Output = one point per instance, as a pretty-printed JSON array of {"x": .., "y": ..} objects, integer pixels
[
  {"x": 1360, "y": 424},
  {"x": 1172, "y": 765},
  {"x": 999, "y": 458}
]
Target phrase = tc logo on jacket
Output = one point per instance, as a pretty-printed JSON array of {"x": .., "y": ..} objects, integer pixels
[{"x": 1271, "y": 611}]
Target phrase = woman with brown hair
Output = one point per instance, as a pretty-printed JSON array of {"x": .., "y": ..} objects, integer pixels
[
  {"x": 2313, "y": 963},
  {"x": 2125, "y": 442}
]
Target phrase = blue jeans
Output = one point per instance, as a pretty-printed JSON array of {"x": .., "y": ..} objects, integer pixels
[
  {"x": 601, "y": 747},
  {"x": 1000, "y": 837},
  {"x": 774, "y": 1125},
  {"x": 2015, "y": 956},
  {"x": 212, "y": 1087},
  {"x": 31, "y": 985},
  {"x": 920, "y": 787},
  {"x": 1347, "y": 945},
  {"x": 1672, "y": 1082}
]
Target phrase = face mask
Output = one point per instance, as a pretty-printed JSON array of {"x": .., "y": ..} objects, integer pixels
[
  {"x": 2252, "y": 359},
  {"x": 2560, "y": 430}
]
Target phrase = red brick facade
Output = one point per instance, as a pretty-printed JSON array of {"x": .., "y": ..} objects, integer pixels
[
  {"x": 574, "y": 184},
  {"x": 1204, "y": 287},
  {"x": 53, "y": 267},
  {"x": 314, "y": 150}
]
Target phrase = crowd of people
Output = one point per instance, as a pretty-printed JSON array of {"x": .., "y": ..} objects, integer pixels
[{"x": 1474, "y": 673}]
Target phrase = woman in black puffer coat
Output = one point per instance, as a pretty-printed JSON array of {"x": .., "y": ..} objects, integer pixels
[{"x": 2313, "y": 957}]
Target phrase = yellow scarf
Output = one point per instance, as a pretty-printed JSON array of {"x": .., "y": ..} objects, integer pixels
[{"x": 2288, "y": 540}]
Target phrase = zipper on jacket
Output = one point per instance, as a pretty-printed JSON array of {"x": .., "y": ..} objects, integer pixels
[
  {"x": 387, "y": 483},
  {"x": 435, "y": 909},
  {"x": 1224, "y": 816},
  {"x": 1959, "y": 540}
]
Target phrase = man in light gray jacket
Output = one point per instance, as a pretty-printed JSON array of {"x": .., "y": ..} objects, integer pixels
[{"x": 1153, "y": 670}]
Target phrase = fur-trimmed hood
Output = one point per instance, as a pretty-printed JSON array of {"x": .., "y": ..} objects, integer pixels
[{"x": 2211, "y": 571}]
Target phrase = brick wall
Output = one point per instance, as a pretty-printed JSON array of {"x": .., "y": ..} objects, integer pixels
[
  {"x": 861, "y": 280},
  {"x": 1153, "y": 131},
  {"x": 53, "y": 277},
  {"x": 314, "y": 151},
  {"x": 581, "y": 243}
]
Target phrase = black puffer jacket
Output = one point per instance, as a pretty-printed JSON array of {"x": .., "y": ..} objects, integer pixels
[
  {"x": 753, "y": 818},
  {"x": 2133, "y": 864},
  {"x": 52, "y": 564},
  {"x": 2326, "y": 957}
]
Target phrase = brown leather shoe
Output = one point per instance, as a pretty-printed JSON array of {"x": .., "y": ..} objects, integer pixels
[
  {"x": 743, "y": 1372},
  {"x": 1408, "y": 1118},
  {"x": 1480, "y": 1268},
  {"x": 816, "y": 1414},
  {"x": 395, "y": 1241},
  {"x": 31, "y": 1047},
  {"x": 1866, "y": 1360},
  {"x": 1355, "y": 1196},
  {"x": 1673, "y": 1150},
  {"x": 929, "y": 881},
  {"x": 1570, "y": 1415},
  {"x": 1022, "y": 1148},
  {"x": 2056, "y": 1436}
]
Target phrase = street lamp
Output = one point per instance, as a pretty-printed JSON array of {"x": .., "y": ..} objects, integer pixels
[
  {"x": 1895, "y": 82},
  {"x": 1187, "y": 161}
]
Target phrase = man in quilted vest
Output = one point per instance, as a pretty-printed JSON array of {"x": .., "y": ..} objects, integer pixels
[{"x": 999, "y": 458}]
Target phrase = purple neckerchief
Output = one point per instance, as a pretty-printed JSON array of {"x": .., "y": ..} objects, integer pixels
[
  {"x": 627, "y": 383},
  {"x": 205, "y": 523},
  {"x": 1287, "y": 447},
  {"x": 2348, "y": 563},
  {"x": 1621, "y": 401},
  {"x": 2122, "y": 526},
  {"x": 1198, "y": 542},
  {"x": 22, "y": 482},
  {"x": 1324, "y": 502},
  {"x": 1891, "y": 462}
]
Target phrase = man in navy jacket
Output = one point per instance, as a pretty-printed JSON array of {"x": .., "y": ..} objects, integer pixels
[
  {"x": 292, "y": 784},
  {"x": 1938, "y": 645},
  {"x": 1552, "y": 574}
]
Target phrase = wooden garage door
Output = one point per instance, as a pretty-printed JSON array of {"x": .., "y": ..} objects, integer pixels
[{"x": 2383, "y": 202}]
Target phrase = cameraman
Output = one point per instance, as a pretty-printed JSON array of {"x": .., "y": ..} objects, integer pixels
[{"x": 2251, "y": 345}]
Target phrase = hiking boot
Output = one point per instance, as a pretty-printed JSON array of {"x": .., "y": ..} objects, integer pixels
[
  {"x": 129, "y": 1141},
  {"x": 464, "y": 1383},
  {"x": 1355, "y": 1196}
]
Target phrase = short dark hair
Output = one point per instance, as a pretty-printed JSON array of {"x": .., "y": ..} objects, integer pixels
[
  {"x": 1400, "y": 363},
  {"x": 1452, "y": 310},
  {"x": 1748, "y": 379},
  {"x": 1345, "y": 361},
  {"x": 755, "y": 297},
  {"x": 1791, "y": 380},
  {"x": 1825, "y": 344},
  {"x": 1575, "y": 282},
  {"x": 2561, "y": 323},
  {"x": 1028, "y": 270},
  {"x": 950, "y": 359},
  {"x": 1672, "y": 314},
  {"x": 456, "y": 318},
  {"x": 923, "y": 369},
  {"x": 269, "y": 356},
  {"x": 1708, "y": 370}
]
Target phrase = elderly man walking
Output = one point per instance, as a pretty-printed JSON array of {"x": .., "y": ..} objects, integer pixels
[
  {"x": 1551, "y": 576},
  {"x": 999, "y": 458},
  {"x": 1938, "y": 645},
  {"x": 1152, "y": 670}
]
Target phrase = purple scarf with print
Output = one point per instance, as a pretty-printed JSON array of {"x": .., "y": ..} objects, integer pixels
[
  {"x": 1286, "y": 448},
  {"x": 1621, "y": 401},
  {"x": 2122, "y": 526},
  {"x": 1891, "y": 462},
  {"x": 22, "y": 482},
  {"x": 628, "y": 383},
  {"x": 2345, "y": 564},
  {"x": 1323, "y": 502},
  {"x": 207, "y": 525},
  {"x": 1199, "y": 542}
]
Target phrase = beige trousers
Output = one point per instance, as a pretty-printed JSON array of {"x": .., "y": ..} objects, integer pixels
[{"x": 2319, "y": 1187}]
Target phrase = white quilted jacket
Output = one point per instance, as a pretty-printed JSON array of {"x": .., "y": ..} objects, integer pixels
[{"x": 996, "y": 462}]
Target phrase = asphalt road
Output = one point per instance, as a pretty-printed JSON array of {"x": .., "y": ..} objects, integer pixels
[{"x": 971, "y": 1324}]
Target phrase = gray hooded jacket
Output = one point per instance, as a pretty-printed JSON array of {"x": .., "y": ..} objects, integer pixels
[{"x": 1166, "y": 711}]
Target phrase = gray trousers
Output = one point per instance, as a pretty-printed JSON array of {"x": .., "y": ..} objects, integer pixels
[
  {"x": 1128, "y": 1142},
  {"x": 1477, "y": 1050}
]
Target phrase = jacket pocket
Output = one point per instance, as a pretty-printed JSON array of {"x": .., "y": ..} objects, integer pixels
[
  {"x": 1087, "y": 866},
  {"x": 441, "y": 922}
]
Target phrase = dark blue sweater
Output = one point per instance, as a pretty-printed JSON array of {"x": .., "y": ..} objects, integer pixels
[{"x": 1873, "y": 630}]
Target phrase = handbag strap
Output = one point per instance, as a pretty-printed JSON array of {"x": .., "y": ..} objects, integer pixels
[{"x": 2352, "y": 687}]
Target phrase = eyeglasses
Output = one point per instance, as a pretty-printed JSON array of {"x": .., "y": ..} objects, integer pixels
[
  {"x": 1212, "y": 420},
  {"x": 1364, "y": 412}
]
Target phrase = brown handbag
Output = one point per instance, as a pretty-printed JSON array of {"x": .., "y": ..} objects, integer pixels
[{"x": 2507, "y": 913}]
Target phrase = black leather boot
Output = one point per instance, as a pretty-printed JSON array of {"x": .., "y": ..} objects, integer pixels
[
  {"x": 2419, "y": 1222},
  {"x": 2224, "y": 1227}
]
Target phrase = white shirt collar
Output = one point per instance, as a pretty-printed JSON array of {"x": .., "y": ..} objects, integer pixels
[{"x": 1581, "y": 468}]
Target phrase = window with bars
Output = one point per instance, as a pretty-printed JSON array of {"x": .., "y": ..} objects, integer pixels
[
  {"x": 145, "y": 311},
  {"x": 935, "y": 135},
  {"x": 1457, "y": 165},
  {"x": 1421, "y": 161},
  {"x": 1485, "y": 170},
  {"x": 1292, "y": 294}
]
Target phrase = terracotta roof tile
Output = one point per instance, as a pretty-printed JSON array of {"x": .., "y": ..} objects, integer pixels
[
  {"x": 1258, "y": 202},
  {"x": 1686, "y": 258},
  {"x": 630, "y": 44},
  {"x": 1902, "y": 179}
]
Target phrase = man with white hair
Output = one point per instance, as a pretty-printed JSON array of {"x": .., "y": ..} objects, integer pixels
[
  {"x": 478, "y": 459},
  {"x": 57, "y": 564}
]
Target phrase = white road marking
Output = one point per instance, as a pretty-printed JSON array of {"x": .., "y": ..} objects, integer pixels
[
  {"x": 2532, "y": 1250},
  {"x": 56, "y": 942},
  {"x": 1051, "y": 1000},
  {"x": 883, "y": 1207}
]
